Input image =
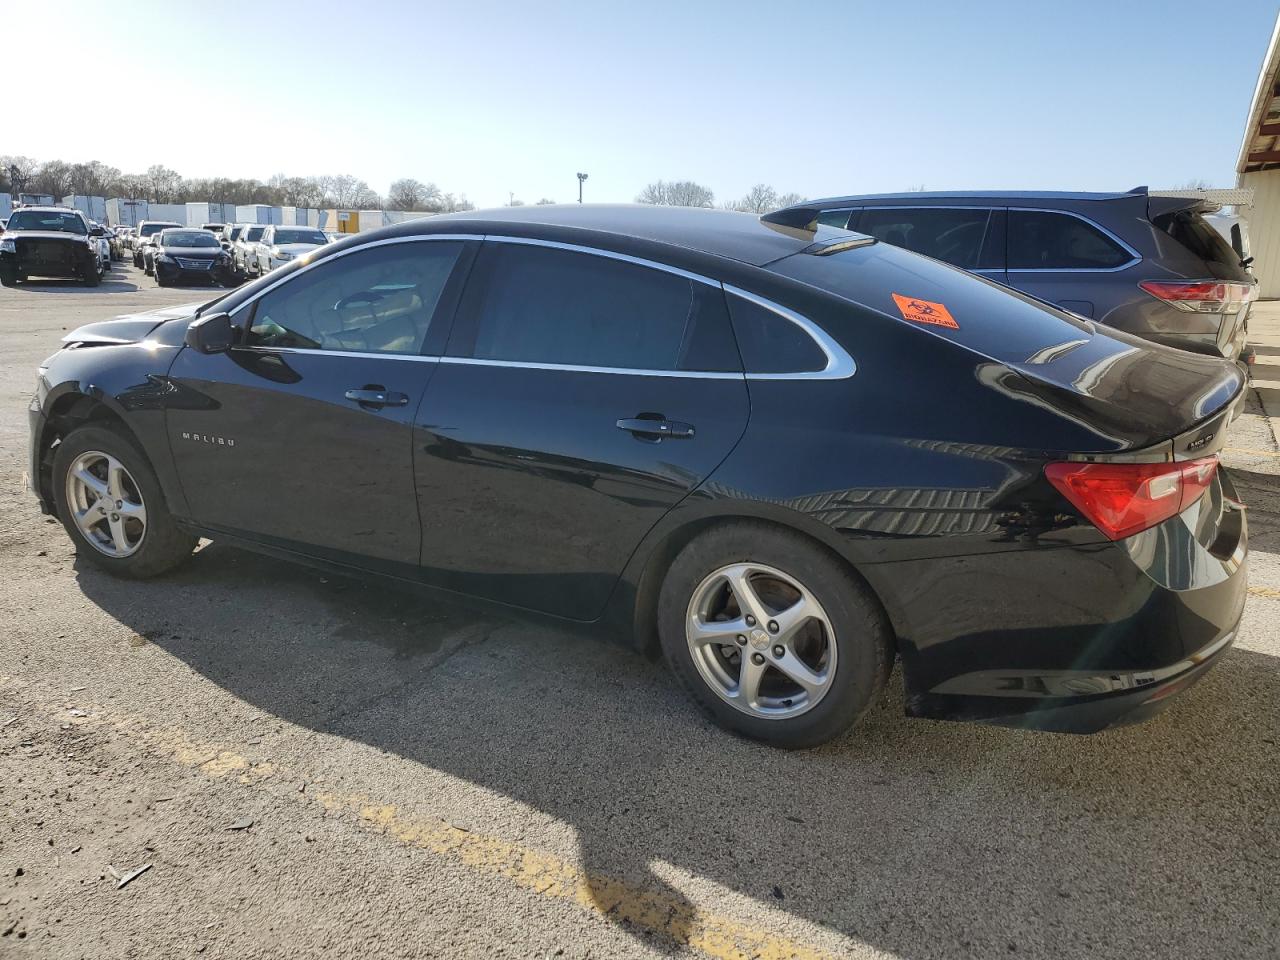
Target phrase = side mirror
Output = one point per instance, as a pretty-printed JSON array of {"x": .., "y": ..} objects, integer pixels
[{"x": 212, "y": 334}]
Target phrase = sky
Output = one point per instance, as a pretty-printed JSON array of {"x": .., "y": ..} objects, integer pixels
[{"x": 500, "y": 99}]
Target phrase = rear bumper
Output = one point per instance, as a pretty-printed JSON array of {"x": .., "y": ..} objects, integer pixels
[
  {"x": 1076, "y": 701},
  {"x": 1071, "y": 638}
]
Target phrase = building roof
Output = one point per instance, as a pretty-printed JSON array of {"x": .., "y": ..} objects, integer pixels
[{"x": 1260, "y": 147}]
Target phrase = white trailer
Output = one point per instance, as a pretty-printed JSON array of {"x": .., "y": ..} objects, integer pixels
[
  {"x": 257, "y": 213},
  {"x": 95, "y": 208},
  {"x": 122, "y": 212},
  {"x": 176, "y": 212}
]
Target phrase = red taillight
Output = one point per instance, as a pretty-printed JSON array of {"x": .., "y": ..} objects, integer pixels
[
  {"x": 1122, "y": 499},
  {"x": 1201, "y": 296}
]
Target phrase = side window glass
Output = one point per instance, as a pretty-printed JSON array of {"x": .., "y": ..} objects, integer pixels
[
  {"x": 1040, "y": 240},
  {"x": 948, "y": 234},
  {"x": 770, "y": 343},
  {"x": 379, "y": 300},
  {"x": 532, "y": 304},
  {"x": 834, "y": 218}
]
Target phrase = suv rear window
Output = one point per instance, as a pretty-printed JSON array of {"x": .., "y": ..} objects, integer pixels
[
  {"x": 1042, "y": 240},
  {"x": 1192, "y": 231}
]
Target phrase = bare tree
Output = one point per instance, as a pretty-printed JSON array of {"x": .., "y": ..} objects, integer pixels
[
  {"x": 18, "y": 172},
  {"x": 344, "y": 190},
  {"x": 164, "y": 183},
  {"x": 677, "y": 193},
  {"x": 762, "y": 198},
  {"x": 92, "y": 179},
  {"x": 53, "y": 178},
  {"x": 544, "y": 202},
  {"x": 410, "y": 194},
  {"x": 1196, "y": 183}
]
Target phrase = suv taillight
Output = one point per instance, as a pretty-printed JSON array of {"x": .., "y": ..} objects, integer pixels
[
  {"x": 1122, "y": 499},
  {"x": 1201, "y": 296}
]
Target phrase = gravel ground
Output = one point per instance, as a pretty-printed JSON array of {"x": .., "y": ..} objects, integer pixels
[{"x": 313, "y": 766}]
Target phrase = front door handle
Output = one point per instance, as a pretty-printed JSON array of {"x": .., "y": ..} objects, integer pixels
[
  {"x": 375, "y": 398},
  {"x": 655, "y": 428}
]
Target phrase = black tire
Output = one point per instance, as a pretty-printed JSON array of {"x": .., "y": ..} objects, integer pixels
[
  {"x": 8, "y": 279},
  {"x": 862, "y": 634},
  {"x": 160, "y": 281},
  {"x": 137, "y": 260},
  {"x": 92, "y": 277},
  {"x": 164, "y": 545}
]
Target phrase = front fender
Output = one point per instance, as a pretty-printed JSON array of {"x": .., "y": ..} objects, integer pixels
[{"x": 127, "y": 383}]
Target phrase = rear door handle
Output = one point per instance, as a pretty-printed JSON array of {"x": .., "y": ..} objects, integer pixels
[
  {"x": 377, "y": 397},
  {"x": 651, "y": 429}
]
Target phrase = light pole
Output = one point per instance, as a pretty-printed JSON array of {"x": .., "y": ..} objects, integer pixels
[{"x": 581, "y": 178}]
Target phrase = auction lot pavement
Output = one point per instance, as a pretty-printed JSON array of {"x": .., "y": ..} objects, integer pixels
[{"x": 313, "y": 766}]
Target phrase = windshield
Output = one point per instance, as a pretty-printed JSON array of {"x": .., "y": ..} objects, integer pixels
[
  {"x": 188, "y": 238},
  {"x": 51, "y": 220},
  {"x": 149, "y": 229},
  {"x": 254, "y": 233},
  {"x": 300, "y": 236}
]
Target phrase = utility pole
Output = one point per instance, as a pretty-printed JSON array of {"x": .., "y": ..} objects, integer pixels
[{"x": 581, "y": 178}]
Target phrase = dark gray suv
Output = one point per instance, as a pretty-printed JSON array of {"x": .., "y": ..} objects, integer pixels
[{"x": 1140, "y": 262}]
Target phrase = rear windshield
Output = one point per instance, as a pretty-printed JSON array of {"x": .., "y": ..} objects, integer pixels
[
  {"x": 1194, "y": 232},
  {"x": 981, "y": 315},
  {"x": 299, "y": 236},
  {"x": 53, "y": 220},
  {"x": 254, "y": 233}
]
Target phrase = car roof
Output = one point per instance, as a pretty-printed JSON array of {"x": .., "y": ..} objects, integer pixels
[
  {"x": 725, "y": 234},
  {"x": 1008, "y": 195},
  {"x": 44, "y": 208}
]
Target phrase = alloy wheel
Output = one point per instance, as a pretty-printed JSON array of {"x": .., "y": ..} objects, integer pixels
[
  {"x": 761, "y": 640},
  {"x": 106, "y": 504}
]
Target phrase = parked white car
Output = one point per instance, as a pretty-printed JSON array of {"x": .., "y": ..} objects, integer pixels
[
  {"x": 244, "y": 251},
  {"x": 279, "y": 245},
  {"x": 103, "y": 241}
]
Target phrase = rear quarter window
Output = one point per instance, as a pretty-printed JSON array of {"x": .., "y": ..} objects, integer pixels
[{"x": 1044, "y": 240}]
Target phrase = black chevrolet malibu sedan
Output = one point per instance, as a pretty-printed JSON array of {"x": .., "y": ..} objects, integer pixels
[{"x": 785, "y": 457}]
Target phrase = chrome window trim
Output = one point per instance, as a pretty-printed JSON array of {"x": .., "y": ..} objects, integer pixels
[
  {"x": 576, "y": 368},
  {"x": 600, "y": 252},
  {"x": 1135, "y": 256},
  {"x": 431, "y": 358},
  {"x": 840, "y": 365}
]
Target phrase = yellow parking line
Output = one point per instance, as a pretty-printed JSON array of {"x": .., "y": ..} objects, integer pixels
[
  {"x": 661, "y": 913},
  {"x": 1251, "y": 453},
  {"x": 1265, "y": 592}
]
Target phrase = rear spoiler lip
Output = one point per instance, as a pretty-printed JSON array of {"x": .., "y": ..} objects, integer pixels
[
  {"x": 1158, "y": 206},
  {"x": 1207, "y": 438}
]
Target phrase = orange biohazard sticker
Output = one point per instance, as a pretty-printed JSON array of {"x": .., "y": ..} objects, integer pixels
[{"x": 925, "y": 311}]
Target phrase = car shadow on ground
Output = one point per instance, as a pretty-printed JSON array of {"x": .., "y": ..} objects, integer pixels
[
  {"x": 919, "y": 838},
  {"x": 111, "y": 283}
]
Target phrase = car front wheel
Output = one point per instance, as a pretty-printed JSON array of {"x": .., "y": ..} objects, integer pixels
[
  {"x": 110, "y": 503},
  {"x": 773, "y": 636}
]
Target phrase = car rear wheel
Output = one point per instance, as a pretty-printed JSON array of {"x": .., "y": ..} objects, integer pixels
[
  {"x": 773, "y": 636},
  {"x": 110, "y": 503}
]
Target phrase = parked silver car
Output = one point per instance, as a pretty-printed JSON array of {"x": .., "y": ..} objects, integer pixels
[{"x": 280, "y": 245}]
